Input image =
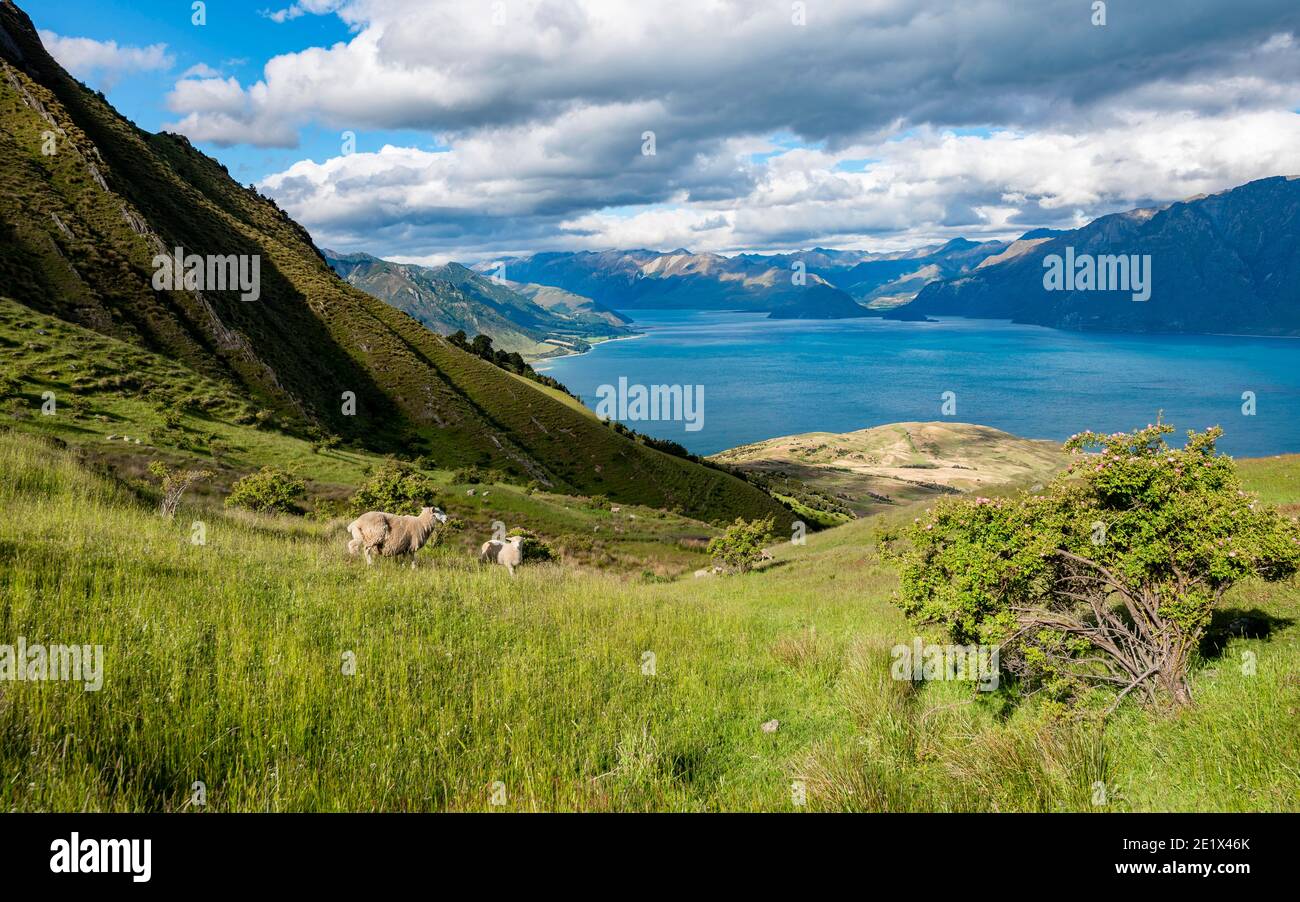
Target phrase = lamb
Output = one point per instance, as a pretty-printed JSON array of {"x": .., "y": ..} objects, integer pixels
[
  {"x": 509, "y": 553},
  {"x": 392, "y": 535}
]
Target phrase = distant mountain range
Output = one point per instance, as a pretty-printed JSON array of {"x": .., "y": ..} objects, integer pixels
[
  {"x": 533, "y": 320},
  {"x": 894, "y": 280},
  {"x": 643, "y": 279},
  {"x": 1226, "y": 263}
]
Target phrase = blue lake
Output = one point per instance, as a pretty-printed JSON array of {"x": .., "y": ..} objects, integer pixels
[{"x": 763, "y": 378}]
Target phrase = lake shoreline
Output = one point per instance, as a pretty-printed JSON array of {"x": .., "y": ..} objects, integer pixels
[
  {"x": 766, "y": 378},
  {"x": 594, "y": 345}
]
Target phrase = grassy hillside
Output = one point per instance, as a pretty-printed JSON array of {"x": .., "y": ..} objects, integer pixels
[
  {"x": 596, "y": 318},
  {"x": 228, "y": 658},
  {"x": 450, "y": 298},
  {"x": 436, "y": 304},
  {"x": 1275, "y": 479},
  {"x": 163, "y": 411},
  {"x": 871, "y": 469},
  {"x": 80, "y": 227}
]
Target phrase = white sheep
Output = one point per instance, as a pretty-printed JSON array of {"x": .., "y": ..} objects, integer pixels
[
  {"x": 392, "y": 535},
  {"x": 509, "y": 553}
]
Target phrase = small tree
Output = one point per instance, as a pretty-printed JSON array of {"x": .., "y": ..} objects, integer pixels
[
  {"x": 482, "y": 345},
  {"x": 1110, "y": 576},
  {"x": 397, "y": 488},
  {"x": 174, "y": 483},
  {"x": 171, "y": 418},
  {"x": 469, "y": 476},
  {"x": 270, "y": 489},
  {"x": 325, "y": 442},
  {"x": 741, "y": 547},
  {"x": 534, "y": 550}
]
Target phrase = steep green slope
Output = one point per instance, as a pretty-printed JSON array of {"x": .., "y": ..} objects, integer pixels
[
  {"x": 439, "y": 306},
  {"x": 583, "y": 312},
  {"x": 81, "y": 226},
  {"x": 452, "y": 298}
]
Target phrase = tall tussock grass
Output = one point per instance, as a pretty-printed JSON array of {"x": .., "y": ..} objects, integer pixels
[{"x": 227, "y": 665}]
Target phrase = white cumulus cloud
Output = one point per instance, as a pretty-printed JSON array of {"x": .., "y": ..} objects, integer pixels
[
  {"x": 104, "y": 61},
  {"x": 899, "y": 119}
]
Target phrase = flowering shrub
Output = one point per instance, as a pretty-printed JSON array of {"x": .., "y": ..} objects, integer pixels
[
  {"x": 397, "y": 488},
  {"x": 270, "y": 489},
  {"x": 1110, "y": 576},
  {"x": 173, "y": 484},
  {"x": 740, "y": 547}
]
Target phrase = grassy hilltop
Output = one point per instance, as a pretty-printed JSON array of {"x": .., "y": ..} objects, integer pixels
[
  {"x": 871, "y": 469},
  {"x": 224, "y": 666}
]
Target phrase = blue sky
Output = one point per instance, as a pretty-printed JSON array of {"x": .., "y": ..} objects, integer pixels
[
  {"x": 492, "y": 128},
  {"x": 236, "y": 40}
]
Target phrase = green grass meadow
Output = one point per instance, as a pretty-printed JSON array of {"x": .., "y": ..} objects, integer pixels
[
  {"x": 225, "y": 664},
  {"x": 250, "y": 655}
]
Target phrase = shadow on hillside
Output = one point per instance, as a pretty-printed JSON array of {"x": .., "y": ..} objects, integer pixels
[{"x": 1233, "y": 623}]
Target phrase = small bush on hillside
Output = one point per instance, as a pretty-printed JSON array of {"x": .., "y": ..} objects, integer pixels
[
  {"x": 326, "y": 509},
  {"x": 649, "y": 576},
  {"x": 173, "y": 484},
  {"x": 481, "y": 475},
  {"x": 270, "y": 489},
  {"x": 1110, "y": 576},
  {"x": 73, "y": 405},
  {"x": 741, "y": 547},
  {"x": 397, "y": 488},
  {"x": 468, "y": 476},
  {"x": 534, "y": 550},
  {"x": 323, "y": 443}
]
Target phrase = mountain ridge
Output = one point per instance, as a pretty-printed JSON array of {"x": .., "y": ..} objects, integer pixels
[
  {"x": 81, "y": 226},
  {"x": 679, "y": 279},
  {"x": 1222, "y": 263},
  {"x": 452, "y": 297}
]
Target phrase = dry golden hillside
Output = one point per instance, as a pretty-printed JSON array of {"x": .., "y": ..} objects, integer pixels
[{"x": 901, "y": 462}]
